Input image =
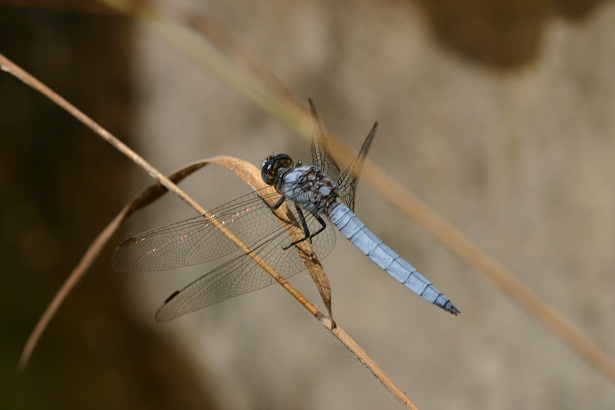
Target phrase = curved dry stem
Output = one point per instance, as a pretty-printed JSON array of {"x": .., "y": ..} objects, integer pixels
[{"x": 149, "y": 195}]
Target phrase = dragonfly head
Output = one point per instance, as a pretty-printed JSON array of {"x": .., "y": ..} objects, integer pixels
[{"x": 273, "y": 164}]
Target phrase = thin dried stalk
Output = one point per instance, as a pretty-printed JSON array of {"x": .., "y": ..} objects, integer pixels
[{"x": 342, "y": 336}]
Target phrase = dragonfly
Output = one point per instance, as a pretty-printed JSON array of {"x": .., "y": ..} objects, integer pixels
[{"x": 318, "y": 196}]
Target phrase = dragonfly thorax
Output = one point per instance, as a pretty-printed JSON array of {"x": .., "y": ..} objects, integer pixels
[{"x": 309, "y": 187}]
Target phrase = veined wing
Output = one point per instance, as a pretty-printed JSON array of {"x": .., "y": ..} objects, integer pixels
[
  {"x": 197, "y": 240},
  {"x": 321, "y": 157},
  {"x": 320, "y": 151},
  {"x": 347, "y": 181}
]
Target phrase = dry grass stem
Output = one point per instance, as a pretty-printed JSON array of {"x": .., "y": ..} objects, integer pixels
[{"x": 152, "y": 193}]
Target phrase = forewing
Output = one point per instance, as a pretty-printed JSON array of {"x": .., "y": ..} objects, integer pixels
[{"x": 197, "y": 240}]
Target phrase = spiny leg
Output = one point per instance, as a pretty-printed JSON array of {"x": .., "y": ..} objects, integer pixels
[{"x": 307, "y": 234}]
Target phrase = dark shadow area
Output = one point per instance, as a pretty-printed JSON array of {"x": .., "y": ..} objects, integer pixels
[{"x": 59, "y": 186}]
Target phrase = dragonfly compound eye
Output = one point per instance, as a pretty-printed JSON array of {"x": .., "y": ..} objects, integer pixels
[{"x": 272, "y": 165}]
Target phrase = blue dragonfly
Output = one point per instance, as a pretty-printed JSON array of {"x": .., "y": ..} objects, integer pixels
[{"x": 320, "y": 197}]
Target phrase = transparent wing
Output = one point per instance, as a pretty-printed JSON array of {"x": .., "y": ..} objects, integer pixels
[
  {"x": 197, "y": 240},
  {"x": 347, "y": 182},
  {"x": 320, "y": 153},
  {"x": 192, "y": 241}
]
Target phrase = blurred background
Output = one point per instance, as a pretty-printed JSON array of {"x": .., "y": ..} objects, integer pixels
[{"x": 498, "y": 115}]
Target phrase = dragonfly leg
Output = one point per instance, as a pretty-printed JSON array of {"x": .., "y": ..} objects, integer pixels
[
  {"x": 306, "y": 231},
  {"x": 277, "y": 204},
  {"x": 323, "y": 226},
  {"x": 308, "y": 236}
]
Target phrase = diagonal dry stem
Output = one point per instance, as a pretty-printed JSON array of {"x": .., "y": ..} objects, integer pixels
[{"x": 9, "y": 67}]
